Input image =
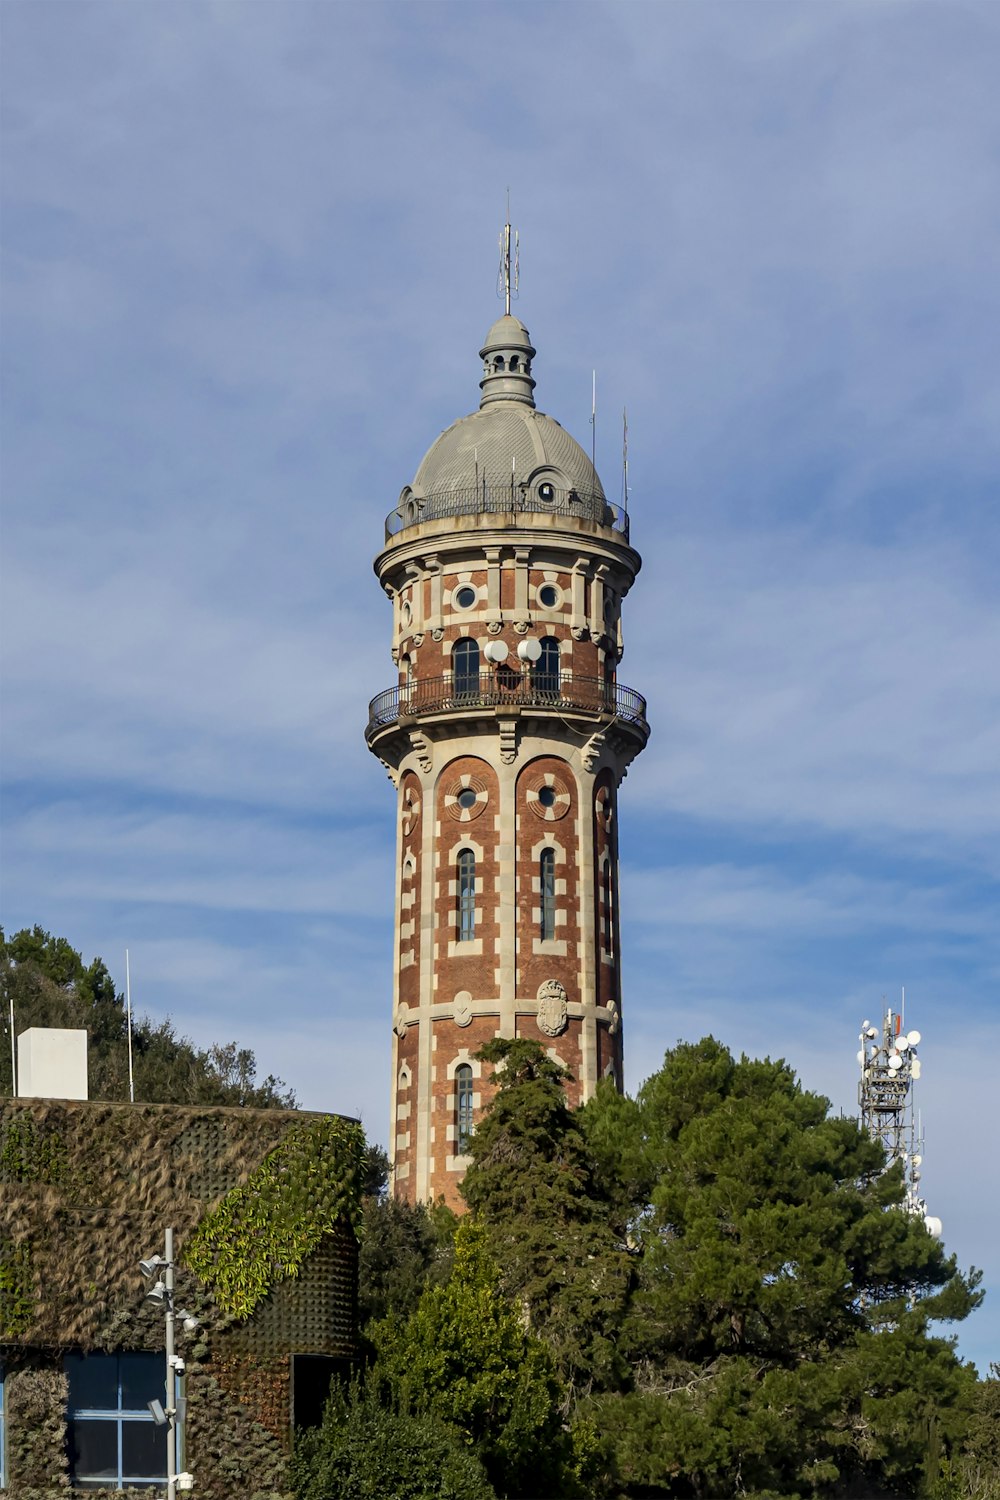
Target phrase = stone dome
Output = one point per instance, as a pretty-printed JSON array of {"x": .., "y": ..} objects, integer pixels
[{"x": 508, "y": 445}]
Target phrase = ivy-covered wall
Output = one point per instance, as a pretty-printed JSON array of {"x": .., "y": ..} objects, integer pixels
[{"x": 262, "y": 1203}]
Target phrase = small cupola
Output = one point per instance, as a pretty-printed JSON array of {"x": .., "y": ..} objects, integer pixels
[{"x": 507, "y": 355}]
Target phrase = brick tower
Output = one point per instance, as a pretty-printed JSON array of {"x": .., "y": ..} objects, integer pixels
[{"x": 506, "y": 736}]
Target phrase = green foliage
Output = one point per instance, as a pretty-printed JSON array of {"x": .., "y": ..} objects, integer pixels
[
  {"x": 403, "y": 1249},
  {"x": 262, "y": 1231},
  {"x": 465, "y": 1357},
  {"x": 366, "y": 1450},
  {"x": 778, "y": 1330},
  {"x": 31, "y": 1151},
  {"x": 975, "y": 1473},
  {"x": 534, "y": 1185},
  {"x": 17, "y": 1290},
  {"x": 50, "y": 985}
]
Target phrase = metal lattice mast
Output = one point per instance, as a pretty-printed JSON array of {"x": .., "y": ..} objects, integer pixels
[{"x": 889, "y": 1069}]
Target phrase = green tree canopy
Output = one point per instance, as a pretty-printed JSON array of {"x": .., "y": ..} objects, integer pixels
[
  {"x": 534, "y": 1187},
  {"x": 465, "y": 1357},
  {"x": 50, "y": 985},
  {"x": 778, "y": 1333}
]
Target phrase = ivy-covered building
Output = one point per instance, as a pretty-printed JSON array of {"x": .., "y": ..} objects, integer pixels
[{"x": 261, "y": 1203}]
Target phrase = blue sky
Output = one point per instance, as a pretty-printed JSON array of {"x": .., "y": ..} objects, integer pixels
[{"x": 249, "y": 257}]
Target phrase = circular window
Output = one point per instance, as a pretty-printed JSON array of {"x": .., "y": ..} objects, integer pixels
[
  {"x": 466, "y": 798},
  {"x": 406, "y": 614},
  {"x": 465, "y": 597},
  {"x": 547, "y": 491},
  {"x": 548, "y": 596},
  {"x": 548, "y": 797}
]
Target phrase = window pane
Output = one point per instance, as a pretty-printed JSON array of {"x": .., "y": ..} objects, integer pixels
[
  {"x": 93, "y": 1450},
  {"x": 144, "y": 1450},
  {"x": 143, "y": 1379},
  {"x": 93, "y": 1382}
]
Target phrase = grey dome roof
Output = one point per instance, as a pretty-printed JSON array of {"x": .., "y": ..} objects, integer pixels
[
  {"x": 482, "y": 446},
  {"x": 508, "y": 436}
]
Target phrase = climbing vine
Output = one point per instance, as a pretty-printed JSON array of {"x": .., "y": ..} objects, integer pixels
[{"x": 262, "y": 1231}]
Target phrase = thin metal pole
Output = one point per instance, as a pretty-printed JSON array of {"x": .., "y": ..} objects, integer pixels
[
  {"x": 168, "y": 1281},
  {"x": 128, "y": 1006},
  {"x": 13, "y": 1053}
]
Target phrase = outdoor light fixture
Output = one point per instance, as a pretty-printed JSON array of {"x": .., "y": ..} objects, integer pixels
[
  {"x": 148, "y": 1267},
  {"x": 188, "y": 1319},
  {"x": 157, "y": 1413},
  {"x": 156, "y": 1293}
]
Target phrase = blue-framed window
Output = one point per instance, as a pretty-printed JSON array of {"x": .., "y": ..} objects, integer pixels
[
  {"x": 466, "y": 896},
  {"x": 3, "y": 1432},
  {"x": 111, "y": 1436},
  {"x": 463, "y": 1109}
]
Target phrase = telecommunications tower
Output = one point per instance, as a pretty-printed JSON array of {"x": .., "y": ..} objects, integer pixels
[{"x": 889, "y": 1069}]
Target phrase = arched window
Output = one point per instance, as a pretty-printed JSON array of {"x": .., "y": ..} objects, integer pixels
[
  {"x": 405, "y": 679},
  {"x": 547, "y": 670},
  {"x": 547, "y": 894},
  {"x": 465, "y": 668},
  {"x": 463, "y": 1109},
  {"x": 466, "y": 913}
]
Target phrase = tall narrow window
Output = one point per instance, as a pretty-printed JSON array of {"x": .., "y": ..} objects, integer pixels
[
  {"x": 463, "y": 1109},
  {"x": 609, "y": 911},
  {"x": 547, "y": 894},
  {"x": 466, "y": 896},
  {"x": 465, "y": 668},
  {"x": 111, "y": 1436},
  {"x": 547, "y": 670}
]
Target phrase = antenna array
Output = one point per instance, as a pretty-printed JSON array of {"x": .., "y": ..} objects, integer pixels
[{"x": 889, "y": 1069}]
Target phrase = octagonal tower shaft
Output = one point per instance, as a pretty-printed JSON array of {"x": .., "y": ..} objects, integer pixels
[{"x": 506, "y": 734}]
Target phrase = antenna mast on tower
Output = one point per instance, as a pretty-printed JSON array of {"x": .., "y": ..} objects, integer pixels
[
  {"x": 509, "y": 274},
  {"x": 889, "y": 1068}
]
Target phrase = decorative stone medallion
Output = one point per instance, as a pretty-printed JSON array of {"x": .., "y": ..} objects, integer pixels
[
  {"x": 462, "y": 1014},
  {"x": 466, "y": 798},
  {"x": 548, "y": 797},
  {"x": 603, "y": 806},
  {"x": 552, "y": 1008},
  {"x": 615, "y": 1020},
  {"x": 402, "y": 1020},
  {"x": 411, "y": 810}
]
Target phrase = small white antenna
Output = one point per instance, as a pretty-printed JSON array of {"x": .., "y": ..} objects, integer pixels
[{"x": 128, "y": 1007}]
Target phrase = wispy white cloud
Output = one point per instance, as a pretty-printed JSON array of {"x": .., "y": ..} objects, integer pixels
[{"x": 247, "y": 264}]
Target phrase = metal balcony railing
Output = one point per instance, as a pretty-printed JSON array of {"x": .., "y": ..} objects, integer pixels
[
  {"x": 507, "y": 498},
  {"x": 507, "y": 687}
]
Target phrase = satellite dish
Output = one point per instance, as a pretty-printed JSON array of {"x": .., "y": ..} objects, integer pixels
[
  {"x": 496, "y": 651},
  {"x": 874, "y": 1050},
  {"x": 861, "y": 1055},
  {"x": 895, "y": 1062},
  {"x": 933, "y": 1226},
  {"x": 902, "y": 1043},
  {"x": 529, "y": 650},
  {"x": 917, "y": 1160},
  {"x": 872, "y": 1031},
  {"x": 913, "y": 1037},
  {"x": 865, "y": 1025},
  {"x": 915, "y": 1068}
]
